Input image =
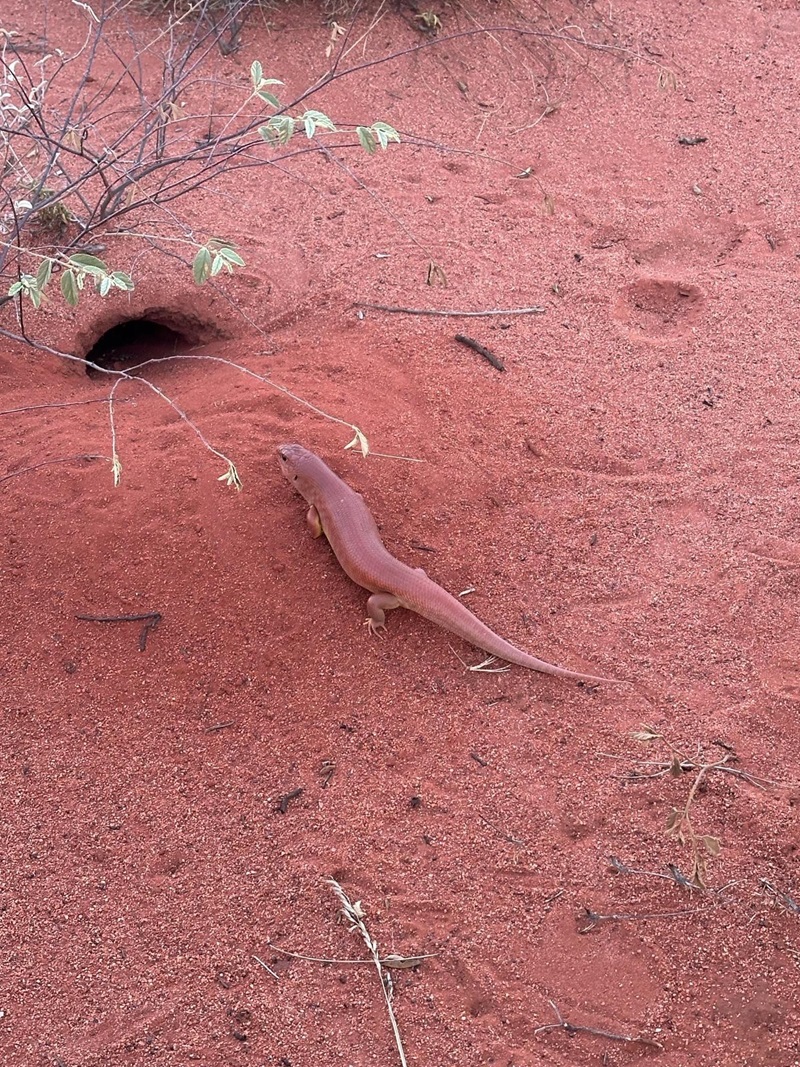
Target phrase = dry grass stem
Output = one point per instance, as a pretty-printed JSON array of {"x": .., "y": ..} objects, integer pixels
[
  {"x": 593, "y": 919},
  {"x": 446, "y": 314},
  {"x": 503, "y": 833},
  {"x": 782, "y": 898},
  {"x": 576, "y": 1028},
  {"x": 50, "y": 462},
  {"x": 484, "y": 667},
  {"x": 395, "y": 961},
  {"x": 268, "y": 969},
  {"x": 354, "y": 914}
]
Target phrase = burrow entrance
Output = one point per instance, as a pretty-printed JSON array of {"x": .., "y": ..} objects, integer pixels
[{"x": 134, "y": 341}]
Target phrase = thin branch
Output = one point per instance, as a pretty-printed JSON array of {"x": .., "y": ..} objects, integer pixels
[
  {"x": 576, "y": 1028},
  {"x": 49, "y": 462},
  {"x": 593, "y": 919},
  {"x": 258, "y": 959},
  {"x": 448, "y": 314},
  {"x": 359, "y": 441},
  {"x": 783, "y": 898},
  {"x": 42, "y": 407},
  {"x": 402, "y": 962}
]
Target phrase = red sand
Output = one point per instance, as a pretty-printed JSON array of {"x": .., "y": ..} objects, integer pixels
[{"x": 623, "y": 498}]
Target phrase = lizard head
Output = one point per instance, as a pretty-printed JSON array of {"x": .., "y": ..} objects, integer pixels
[{"x": 294, "y": 460}]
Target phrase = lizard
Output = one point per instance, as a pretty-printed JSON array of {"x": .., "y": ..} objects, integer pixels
[{"x": 340, "y": 513}]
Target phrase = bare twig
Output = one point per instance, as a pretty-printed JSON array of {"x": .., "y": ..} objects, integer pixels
[
  {"x": 577, "y": 1028},
  {"x": 782, "y": 898},
  {"x": 394, "y": 961},
  {"x": 482, "y": 350},
  {"x": 449, "y": 314},
  {"x": 151, "y": 620},
  {"x": 503, "y": 833},
  {"x": 43, "y": 407},
  {"x": 287, "y": 798},
  {"x": 593, "y": 919},
  {"x": 50, "y": 462},
  {"x": 661, "y": 768},
  {"x": 484, "y": 667},
  {"x": 269, "y": 970}
]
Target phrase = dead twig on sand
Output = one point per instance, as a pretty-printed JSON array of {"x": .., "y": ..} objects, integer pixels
[
  {"x": 593, "y": 919},
  {"x": 782, "y": 898},
  {"x": 460, "y": 314},
  {"x": 85, "y": 456},
  {"x": 577, "y": 1028},
  {"x": 69, "y": 404},
  {"x": 151, "y": 619},
  {"x": 394, "y": 960},
  {"x": 503, "y": 833},
  {"x": 269, "y": 970},
  {"x": 482, "y": 350}
]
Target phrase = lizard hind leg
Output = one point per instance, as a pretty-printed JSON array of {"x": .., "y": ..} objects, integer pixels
[{"x": 377, "y": 606}]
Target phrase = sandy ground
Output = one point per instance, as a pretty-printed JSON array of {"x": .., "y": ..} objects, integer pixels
[{"x": 622, "y": 499}]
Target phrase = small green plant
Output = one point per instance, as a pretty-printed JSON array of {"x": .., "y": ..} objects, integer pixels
[
  {"x": 280, "y": 129},
  {"x": 214, "y": 257}
]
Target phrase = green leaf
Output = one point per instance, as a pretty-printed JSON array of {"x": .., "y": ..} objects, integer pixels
[
  {"x": 17, "y": 287},
  {"x": 312, "y": 119},
  {"x": 217, "y": 265},
  {"x": 88, "y": 263},
  {"x": 44, "y": 273},
  {"x": 69, "y": 288},
  {"x": 256, "y": 74},
  {"x": 279, "y": 129},
  {"x": 385, "y": 133},
  {"x": 201, "y": 267},
  {"x": 35, "y": 295},
  {"x": 122, "y": 281},
  {"x": 231, "y": 256},
  {"x": 366, "y": 139},
  {"x": 269, "y": 98},
  {"x": 104, "y": 285}
]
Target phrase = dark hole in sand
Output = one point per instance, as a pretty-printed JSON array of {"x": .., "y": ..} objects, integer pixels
[{"x": 135, "y": 341}]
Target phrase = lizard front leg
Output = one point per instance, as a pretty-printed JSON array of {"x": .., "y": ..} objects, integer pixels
[{"x": 314, "y": 522}]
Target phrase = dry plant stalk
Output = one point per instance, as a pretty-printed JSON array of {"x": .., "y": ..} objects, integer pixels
[
  {"x": 577, "y": 1028},
  {"x": 679, "y": 823},
  {"x": 354, "y": 914}
]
